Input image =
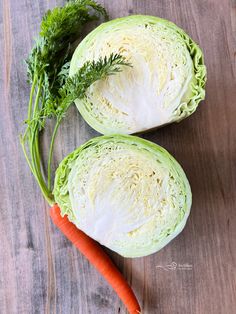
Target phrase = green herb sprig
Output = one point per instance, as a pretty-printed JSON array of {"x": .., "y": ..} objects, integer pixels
[{"x": 52, "y": 90}]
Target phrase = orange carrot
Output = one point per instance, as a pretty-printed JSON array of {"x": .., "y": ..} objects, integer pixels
[{"x": 98, "y": 258}]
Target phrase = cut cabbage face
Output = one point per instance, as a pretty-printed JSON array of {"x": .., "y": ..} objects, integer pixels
[
  {"x": 127, "y": 193},
  {"x": 165, "y": 83}
]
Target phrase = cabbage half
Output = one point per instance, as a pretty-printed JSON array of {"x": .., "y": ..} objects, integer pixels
[
  {"x": 165, "y": 84},
  {"x": 125, "y": 192}
]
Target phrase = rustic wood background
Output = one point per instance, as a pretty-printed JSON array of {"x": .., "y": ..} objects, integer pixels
[{"x": 40, "y": 272}]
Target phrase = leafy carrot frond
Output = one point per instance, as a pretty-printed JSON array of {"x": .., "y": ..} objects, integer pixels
[{"x": 52, "y": 91}]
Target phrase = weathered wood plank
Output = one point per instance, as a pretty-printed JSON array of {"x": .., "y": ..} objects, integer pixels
[{"x": 39, "y": 270}]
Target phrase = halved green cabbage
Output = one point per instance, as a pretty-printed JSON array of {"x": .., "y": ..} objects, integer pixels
[
  {"x": 165, "y": 84},
  {"x": 125, "y": 192}
]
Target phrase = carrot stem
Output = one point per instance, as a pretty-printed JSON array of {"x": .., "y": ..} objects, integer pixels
[
  {"x": 51, "y": 152},
  {"x": 98, "y": 258}
]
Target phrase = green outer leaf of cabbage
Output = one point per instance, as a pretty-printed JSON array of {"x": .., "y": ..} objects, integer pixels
[
  {"x": 61, "y": 180},
  {"x": 198, "y": 89}
]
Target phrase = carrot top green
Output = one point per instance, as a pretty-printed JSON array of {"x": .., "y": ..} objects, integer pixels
[{"x": 52, "y": 91}]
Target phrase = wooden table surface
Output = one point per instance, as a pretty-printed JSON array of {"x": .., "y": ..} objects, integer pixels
[{"x": 40, "y": 271}]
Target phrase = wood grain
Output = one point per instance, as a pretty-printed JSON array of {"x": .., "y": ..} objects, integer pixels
[{"x": 40, "y": 272}]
